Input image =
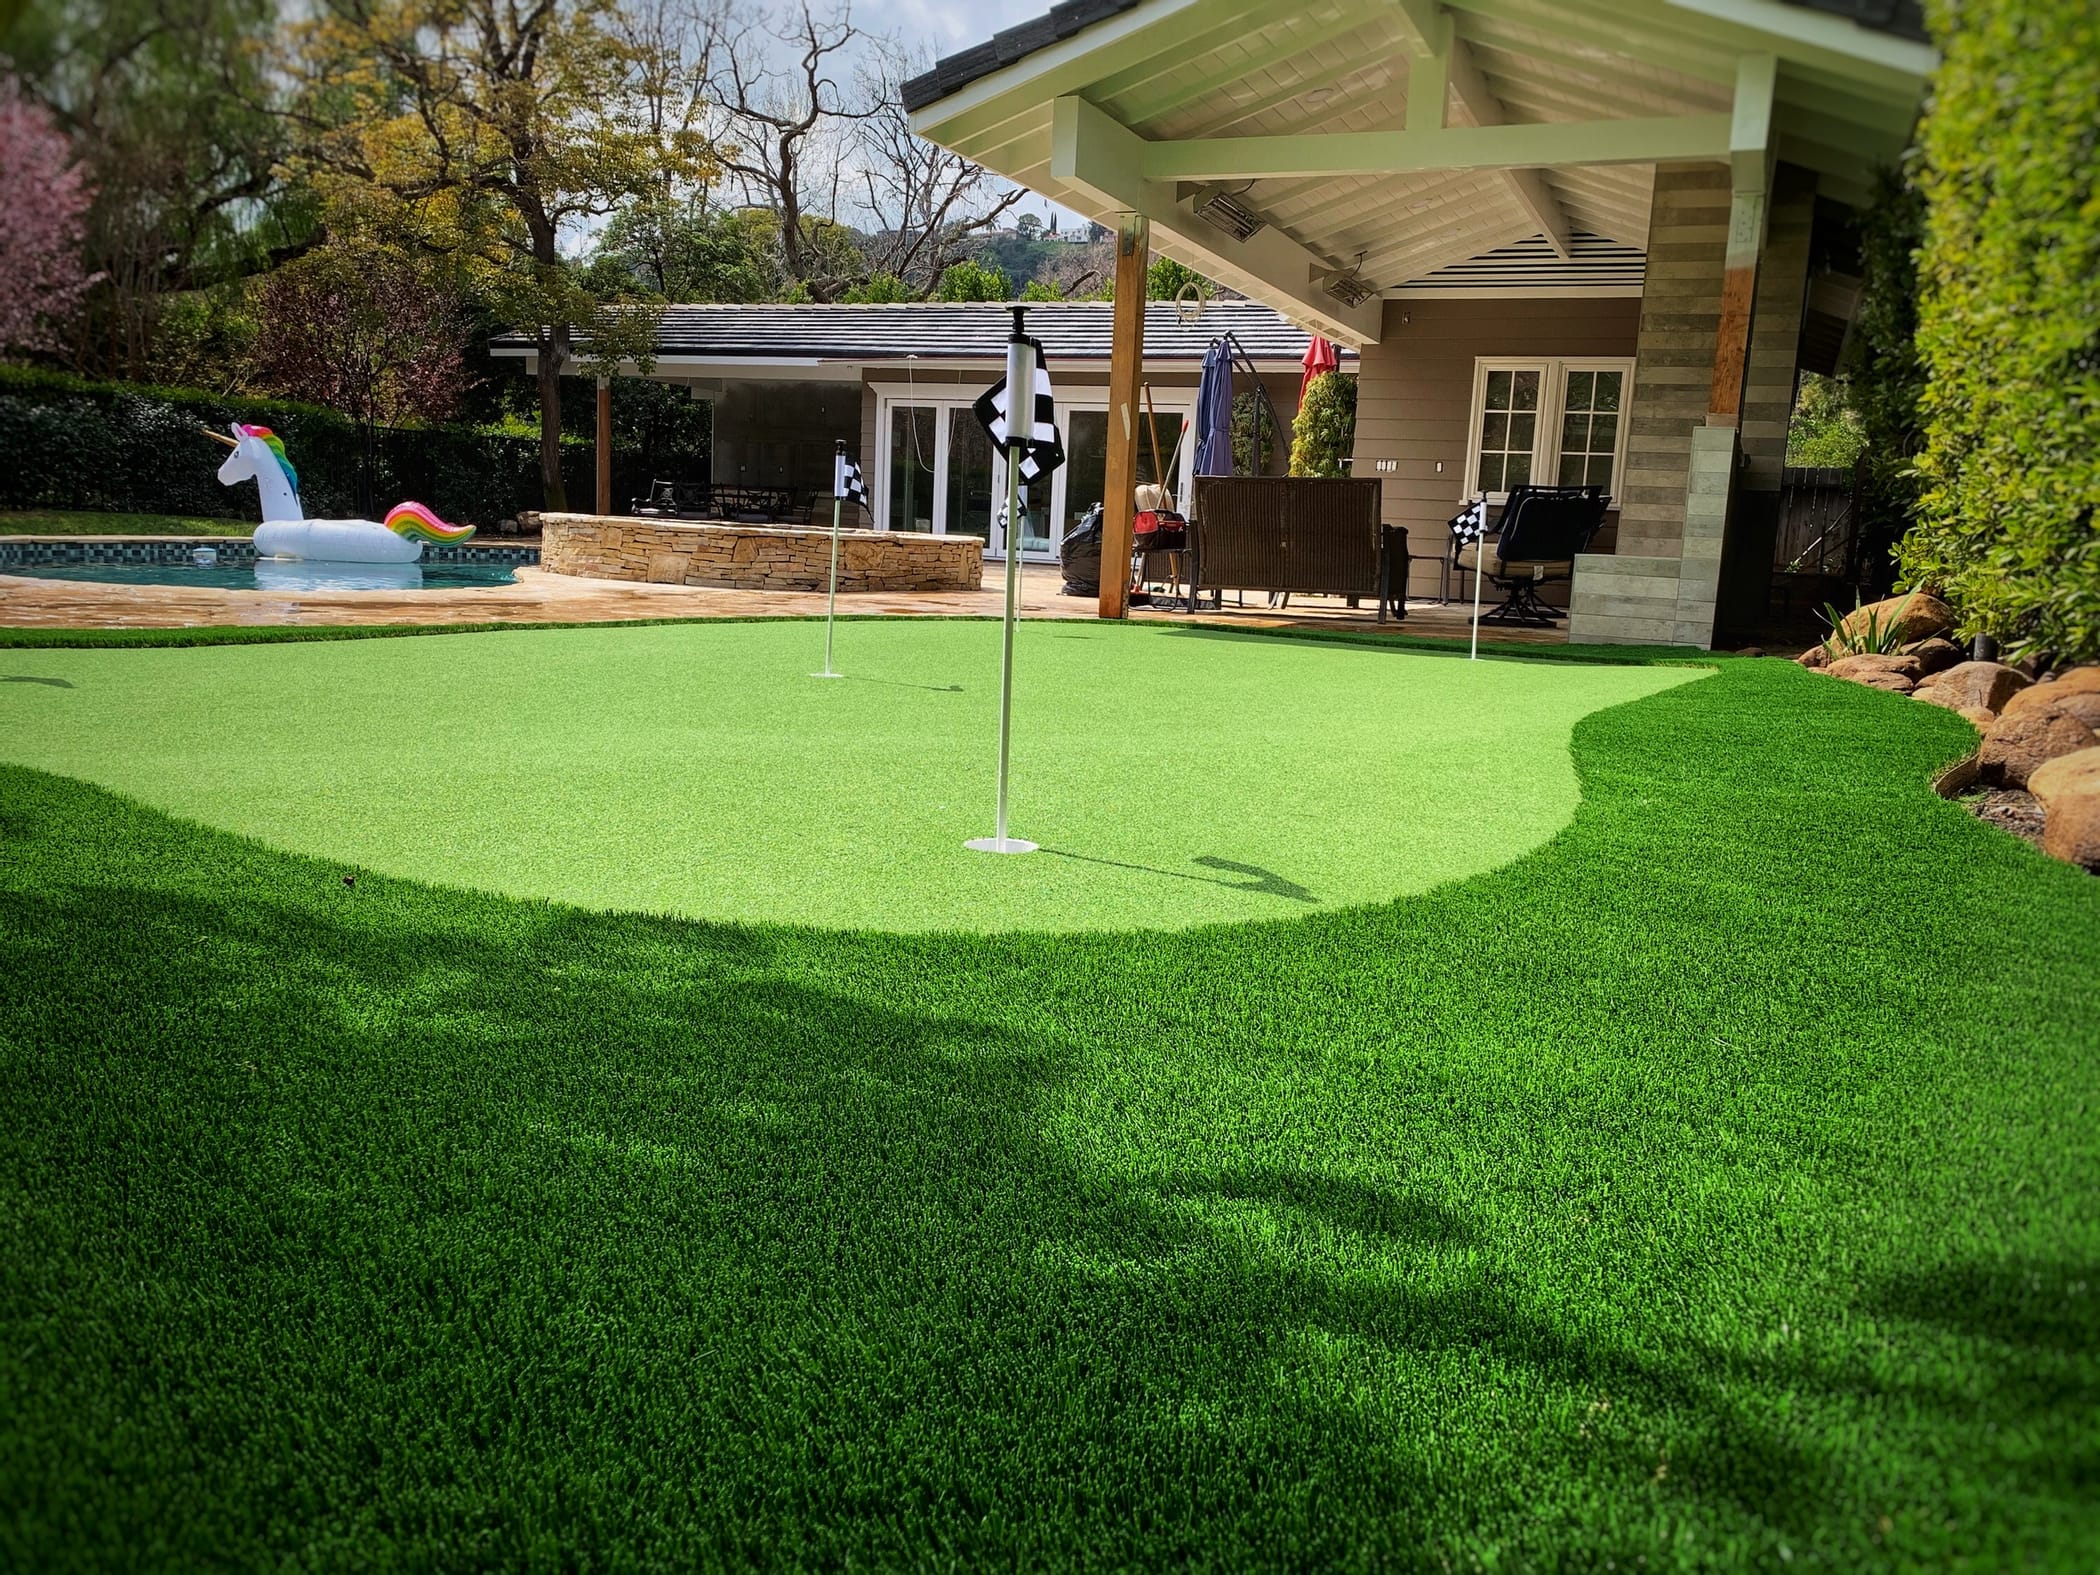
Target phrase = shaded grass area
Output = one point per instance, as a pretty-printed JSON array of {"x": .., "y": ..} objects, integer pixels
[
  {"x": 1716, "y": 1188},
  {"x": 94, "y": 522},
  {"x": 1173, "y": 778}
]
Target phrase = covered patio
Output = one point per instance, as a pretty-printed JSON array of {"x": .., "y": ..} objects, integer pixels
[{"x": 1574, "y": 243}]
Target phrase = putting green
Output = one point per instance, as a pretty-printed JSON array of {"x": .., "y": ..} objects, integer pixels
[{"x": 1173, "y": 777}]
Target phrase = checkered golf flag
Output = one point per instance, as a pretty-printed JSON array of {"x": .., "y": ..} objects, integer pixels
[
  {"x": 847, "y": 482},
  {"x": 1044, "y": 448}
]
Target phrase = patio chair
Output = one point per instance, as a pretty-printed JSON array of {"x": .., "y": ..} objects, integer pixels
[{"x": 1541, "y": 531}]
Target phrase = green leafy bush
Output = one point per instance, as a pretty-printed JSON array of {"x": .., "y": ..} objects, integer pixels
[
  {"x": 1324, "y": 435},
  {"x": 73, "y": 444},
  {"x": 2009, "y": 324},
  {"x": 973, "y": 281},
  {"x": 1824, "y": 432}
]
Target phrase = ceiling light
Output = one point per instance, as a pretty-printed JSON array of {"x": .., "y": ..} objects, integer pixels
[{"x": 1226, "y": 212}]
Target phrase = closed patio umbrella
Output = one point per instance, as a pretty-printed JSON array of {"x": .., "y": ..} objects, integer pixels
[
  {"x": 1319, "y": 357},
  {"x": 1214, "y": 412}
]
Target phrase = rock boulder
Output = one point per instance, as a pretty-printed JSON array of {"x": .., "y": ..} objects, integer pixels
[
  {"x": 2014, "y": 747},
  {"x": 1984, "y": 684},
  {"x": 1870, "y": 669},
  {"x": 1916, "y": 616},
  {"x": 2077, "y": 692},
  {"x": 1933, "y": 656},
  {"x": 2068, "y": 789}
]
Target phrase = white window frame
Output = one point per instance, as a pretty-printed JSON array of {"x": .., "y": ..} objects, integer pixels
[
  {"x": 1553, "y": 392},
  {"x": 943, "y": 397}
]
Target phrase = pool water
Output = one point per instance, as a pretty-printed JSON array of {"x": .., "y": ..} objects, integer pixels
[{"x": 278, "y": 575}]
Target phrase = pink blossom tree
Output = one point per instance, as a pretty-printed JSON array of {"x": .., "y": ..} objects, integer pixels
[{"x": 44, "y": 198}]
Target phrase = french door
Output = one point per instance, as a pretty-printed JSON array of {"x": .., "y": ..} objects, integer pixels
[{"x": 939, "y": 474}]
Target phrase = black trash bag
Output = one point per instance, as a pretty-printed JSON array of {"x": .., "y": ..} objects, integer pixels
[{"x": 1080, "y": 555}]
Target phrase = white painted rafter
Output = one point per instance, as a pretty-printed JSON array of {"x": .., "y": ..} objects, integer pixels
[{"x": 1100, "y": 161}]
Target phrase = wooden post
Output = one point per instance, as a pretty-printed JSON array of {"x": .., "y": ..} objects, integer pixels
[
  {"x": 1126, "y": 366},
  {"x": 605, "y": 505},
  {"x": 1746, "y": 233},
  {"x": 1750, "y": 184}
]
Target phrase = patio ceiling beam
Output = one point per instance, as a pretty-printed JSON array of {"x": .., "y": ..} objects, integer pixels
[
  {"x": 1099, "y": 162},
  {"x": 1530, "y": 146},
  {"x": 1447, "y": 67}
]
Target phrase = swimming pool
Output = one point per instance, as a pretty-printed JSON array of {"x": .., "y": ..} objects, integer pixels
[{"x": 232, "y": 565}]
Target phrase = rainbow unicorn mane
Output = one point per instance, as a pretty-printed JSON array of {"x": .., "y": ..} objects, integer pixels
[
  {"x": 417, "y": 523},
  {"x": 275, "y": 445}
]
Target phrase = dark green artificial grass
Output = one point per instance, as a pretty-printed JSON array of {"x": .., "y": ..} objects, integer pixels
[
  {"x": 1716, "y": 1187},
  {"x": 1175, "y": 777}
]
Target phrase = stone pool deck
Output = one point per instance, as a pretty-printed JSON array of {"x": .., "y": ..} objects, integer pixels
[{"x": 542, "y": 597}]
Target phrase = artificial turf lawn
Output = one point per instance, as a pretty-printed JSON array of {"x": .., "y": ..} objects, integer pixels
[
  {"x": 1176, "y": 778},
  {"x": 1715, "y": 1187}
]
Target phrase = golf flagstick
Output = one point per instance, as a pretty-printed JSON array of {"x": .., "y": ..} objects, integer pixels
[
  {"x": 1480, "y": 553},
  {"x": 831, "y": 599},
  {"x": 1020, "y": 427}
]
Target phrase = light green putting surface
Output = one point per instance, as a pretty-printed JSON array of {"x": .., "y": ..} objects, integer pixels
[{"x": 1174, "y": 778}]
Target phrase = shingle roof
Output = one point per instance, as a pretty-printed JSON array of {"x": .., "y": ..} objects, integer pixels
[
  {"x": 963, "y": 331},
  {"x": 1905, "y": 18}
]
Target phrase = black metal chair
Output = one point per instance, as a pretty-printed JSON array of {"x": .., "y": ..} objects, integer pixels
[{"x": 1541, "y": 531}]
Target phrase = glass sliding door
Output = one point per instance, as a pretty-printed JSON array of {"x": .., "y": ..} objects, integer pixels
[
  {"x": 912, "y": 468},
  {"x": 970, "y": 476}
]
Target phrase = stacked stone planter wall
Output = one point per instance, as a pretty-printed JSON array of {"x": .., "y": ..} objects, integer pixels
[{"x": 756, "y": 557}]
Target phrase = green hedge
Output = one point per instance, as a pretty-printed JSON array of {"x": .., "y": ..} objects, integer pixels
[
  {"x": 73, "y": 444},
  {"x": 2009, "y": 324}
]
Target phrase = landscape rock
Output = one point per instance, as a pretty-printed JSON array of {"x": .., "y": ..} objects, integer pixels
[
  {"x": 1893, "y": 683},
  {"x": 1862, "y": 668},
  {"x": 1934, "y": 655},
  {"x": 1815, "y": 656},
  {"x": 2077, "y": 691},
  {"x": 1976, "y": 716},
  {"x": 1984, "y": 684},
  {"x": 2068, "y": 789},
  {"x": 2014, "y": 747},
  {"x": 1917, "y": 616}
]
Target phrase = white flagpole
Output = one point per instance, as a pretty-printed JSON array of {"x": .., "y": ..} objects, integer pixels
[
  {"x": 831, "y": 599},
  {"x": 1020, "y": 426},
  {"x": 1480, "y": 554}
]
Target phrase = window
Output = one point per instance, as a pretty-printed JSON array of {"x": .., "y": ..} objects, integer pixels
[{"x": 1558, "y": 422}]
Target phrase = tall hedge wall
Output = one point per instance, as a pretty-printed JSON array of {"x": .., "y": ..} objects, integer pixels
[
  {"x": 72, "y": 444},
  {"x": 2009, "y": 323}
]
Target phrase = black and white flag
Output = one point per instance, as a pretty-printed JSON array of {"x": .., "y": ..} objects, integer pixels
[
  {"x": 1044, "y": 448},
  {"x": 847, "y": 483}
]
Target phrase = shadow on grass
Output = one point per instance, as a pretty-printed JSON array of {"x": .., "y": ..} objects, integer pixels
[
  {"x": 27, "y": 678},
  {"x": 419, "y": 1226},
  {"x": 1261, "y": 882}
]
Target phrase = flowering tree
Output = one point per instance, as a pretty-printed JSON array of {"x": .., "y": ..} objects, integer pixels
[
  {"x": 45, "y": 199},
  {"x": 365, "y": 333}
]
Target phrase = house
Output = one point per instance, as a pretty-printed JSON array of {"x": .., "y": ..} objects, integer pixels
[
  {"x": 1573, "y": 240},
  {"x": 897, "y": 382}
]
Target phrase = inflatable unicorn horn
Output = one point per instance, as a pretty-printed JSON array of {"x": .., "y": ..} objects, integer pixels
[{"x": 258, "y": 456}]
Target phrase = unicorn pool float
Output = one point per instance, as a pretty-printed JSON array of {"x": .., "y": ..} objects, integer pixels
[{"x": 258, "y": 456}]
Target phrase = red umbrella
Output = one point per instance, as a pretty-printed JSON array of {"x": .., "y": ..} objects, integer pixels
[{"x": 1319, "y": 357}]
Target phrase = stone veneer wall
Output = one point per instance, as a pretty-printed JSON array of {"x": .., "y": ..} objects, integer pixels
[{"x": 756, "y": 557}]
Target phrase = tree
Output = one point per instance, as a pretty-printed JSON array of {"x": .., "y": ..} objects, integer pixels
[
  {"x": 482, "y": 131},
  {"x": 804, "y": 144},
  {"x": 1824, "y": 431},
  {"x": 45, "y": 197},
  {"x": 1028, "y": 225},
  {"x": 2009, "y": 522},
  {"x": 1324, "y": 435},
  {"x": 684, "y": 250},
  {"x": 972, "y": 281},
  {"x": 365, "y": 333},
  {"x": 169, "y": 107}
]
